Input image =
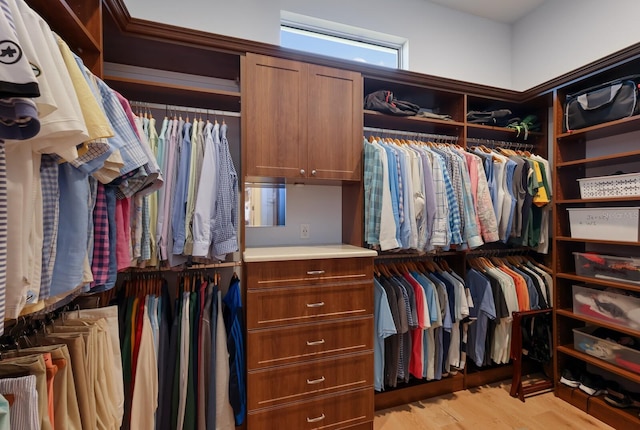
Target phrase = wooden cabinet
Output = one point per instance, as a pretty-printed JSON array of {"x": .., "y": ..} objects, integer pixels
[
  {"x": 302, "y": 121},
  {"x": 310, "y": 343},
  {"x": 602, "y": 149}
]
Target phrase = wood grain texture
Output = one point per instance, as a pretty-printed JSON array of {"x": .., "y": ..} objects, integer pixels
[
  {"x": 486, "y": 407},
  {"x": 295, "y": 305},
  {"x": 334, "y": 124},
  {"x": 275, "y": 386},
  {"x": 275, "y": 111},
  {"x": 289, "y": 344},
  {"x": 334, "y": 412},
  {"x": 325, "y": 271}
]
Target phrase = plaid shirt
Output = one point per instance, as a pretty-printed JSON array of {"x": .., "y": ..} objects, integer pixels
[
  {"x": 50, "y": 202},
  {"x": 100, "y": 261},
  {"x": 373, "y": 178},
  {"x": 225, "y": 227}
]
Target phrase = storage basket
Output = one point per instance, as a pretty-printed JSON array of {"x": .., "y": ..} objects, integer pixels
[
  {"x": 585, "y": 341},
  {"x": 617, "y": 224},
  {"x": 626, "y": 185}
]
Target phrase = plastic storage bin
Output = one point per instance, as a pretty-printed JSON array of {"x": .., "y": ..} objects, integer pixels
[
  {"x": 627, "y": 185},
  {"x": 584, "y": 340},
  {"x": 610, "y": 306},
  {"x": 617, "y": 224},
  {"x": 592, "y": 265}
]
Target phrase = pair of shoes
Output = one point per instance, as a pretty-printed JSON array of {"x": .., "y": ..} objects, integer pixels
[
  {"x": 570, "y": 377},
  {"x": 591, "y": 384},
  {"x": 620, "y": 398}
]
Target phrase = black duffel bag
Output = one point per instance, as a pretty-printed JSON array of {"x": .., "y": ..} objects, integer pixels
[
  {"x": 602, "y": 103},
  {"x": 384, "y": 101}
]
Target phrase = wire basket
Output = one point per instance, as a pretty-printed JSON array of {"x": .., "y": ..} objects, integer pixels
[{"x": 627, "y": 185}]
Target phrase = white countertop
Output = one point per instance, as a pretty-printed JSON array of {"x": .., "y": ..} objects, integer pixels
[{"x": 283, "y": 253}]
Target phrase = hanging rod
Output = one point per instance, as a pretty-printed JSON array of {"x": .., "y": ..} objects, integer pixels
[
  {"x": 413, "y": 256},
  {"x": 503, "y": 143},
  {"x": 498, "y": 252},
  {"x": 184, "y": 109},
  {"x": 415, "y": 134}
]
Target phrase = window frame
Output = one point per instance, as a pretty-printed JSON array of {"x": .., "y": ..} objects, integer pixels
[{"x": 374, "y": 42}]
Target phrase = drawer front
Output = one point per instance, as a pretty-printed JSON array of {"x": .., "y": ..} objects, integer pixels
[
  {"x": 306, "y": 342},
  {"x": 336, "y": 412},
  {"x": 308, "y": 272},
  {"x": 279, "y": 306},
  {"x": 271, "y": 387}
]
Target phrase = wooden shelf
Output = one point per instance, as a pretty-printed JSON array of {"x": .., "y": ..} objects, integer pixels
[
  {"x": 412, "y": 123},
  {"x": 629, "y": 156},
  {"x": 616, "y": 417},
  {"x": 195, "y": 266},
  {"x": 481, "y": 130},
  {"x": 603, "y": 242},
  {"x": 569, "y": 314},
  {"x": 627, "y": 374},
  {"x": 599, "y": 200},
  {"x": 598, "y": 281},
  {"x": 63, "y": 19},
  {"x": 607, "y": 129},
  {"x": 156, "y": 92}
]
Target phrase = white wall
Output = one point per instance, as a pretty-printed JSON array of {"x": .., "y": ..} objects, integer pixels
[
  {"x": 563, "y": 35},
  {"x": 320, "y": 206},
  {"x": 442, "y": 42}
]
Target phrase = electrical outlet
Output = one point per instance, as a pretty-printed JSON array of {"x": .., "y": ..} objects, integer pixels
[{"x": 304, "y": 231}]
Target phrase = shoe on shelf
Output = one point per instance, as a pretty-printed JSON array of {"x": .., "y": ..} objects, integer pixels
[
  {"x": 570, "y": 377},
  {"x": 591, "y": 384},
  {"x": 620, "y": 398}
]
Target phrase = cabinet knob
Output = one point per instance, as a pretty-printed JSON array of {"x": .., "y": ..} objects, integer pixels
[
  {"x": 302, "y": 172},
  {"x": 316, "y": 419},
  {"x": 313, "y": 172},
  {"x": 315, "y": 381},
  {"x": 315, "y": 342}
]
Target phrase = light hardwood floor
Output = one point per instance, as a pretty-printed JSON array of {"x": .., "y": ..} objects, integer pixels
[{"x": 489, "y": 407}]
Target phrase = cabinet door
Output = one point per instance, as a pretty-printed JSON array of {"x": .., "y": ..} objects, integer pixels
[
  {"x": 274, "y": 101},
  {"x": 334, "y": 124}
]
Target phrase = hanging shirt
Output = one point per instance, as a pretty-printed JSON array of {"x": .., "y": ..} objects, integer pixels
[
  {"x": 181, "y": 190},
  {"x": 373, "y": 182},
  {"x": 225, "y": 227},
  {"x": 235, "y": 336},
  {"x": 203, "y": 217},
  {"x": 384, "y": 327},
  {"x": 388, "y": 234}
]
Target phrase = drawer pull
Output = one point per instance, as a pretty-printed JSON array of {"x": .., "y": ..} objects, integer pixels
[
  {"x": 315, "y": 342},
  {"x": 315, "y": 305},
  {"x": 315, "y": 272},
  {"x": 316, "y": 419},
  {"x": 315, "y": 381}
]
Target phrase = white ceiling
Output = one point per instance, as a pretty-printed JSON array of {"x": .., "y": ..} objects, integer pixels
[{"x": 507, "y": 11}]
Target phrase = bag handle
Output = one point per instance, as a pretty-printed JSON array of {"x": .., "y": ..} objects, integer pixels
[{"x": 583, "y": 99}]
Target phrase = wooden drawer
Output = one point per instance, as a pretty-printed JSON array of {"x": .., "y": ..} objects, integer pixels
[
  {"x": 335, "y": 412},
  {"x": 284, "y": 345},
  {"x": 279, "y": 306},
  {"x": 274, "y": 386},
  {"x": 308, "y": 272}
]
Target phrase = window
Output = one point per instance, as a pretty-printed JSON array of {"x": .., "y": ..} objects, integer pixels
[{"x": 342, "y": 45}]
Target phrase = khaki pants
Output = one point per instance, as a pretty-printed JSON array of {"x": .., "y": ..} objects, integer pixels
[
  {"x": 110, "y": 316},
  {"x": 65, "y": 401},
  {"x": 77, "y": 350},
  {"x": 31, "y": 365}
]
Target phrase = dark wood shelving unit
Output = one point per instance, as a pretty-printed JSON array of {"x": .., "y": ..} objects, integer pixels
[
  {"x": 575, "y": 153},
  {"x": 568, "y": 313}
]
